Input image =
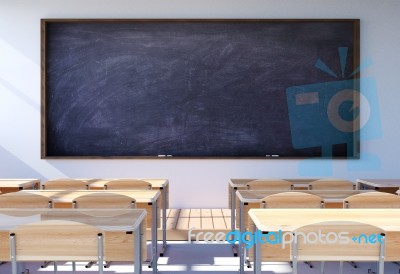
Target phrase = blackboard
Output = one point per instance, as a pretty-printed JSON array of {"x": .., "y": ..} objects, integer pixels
[{"x": 197, "y": 88}]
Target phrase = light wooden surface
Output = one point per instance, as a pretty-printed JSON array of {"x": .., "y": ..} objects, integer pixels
[
  {"x": 383, "y": 185},
  {"x": 24, "y": 200},
  {"x": 292, "y": 200},
  {"x": 64, "y": 199},
  {"x": 179, "y": 221},
  {"x": 155, "y": 183},
  {"x": 373, "y": 200},
  {"x": 115, "y": 223},
  {"x": 98, "y": 184},
  {"x": 104, "y": 200},
  {"x": 289, "y": 220},
  {"x": 141, "y": 196},
  {"x": 56, "y": 240},
  {"x": 270, "y": 184},
  {"x": 331, "y": 184},
  {"x": 65, "y": 184},
  {"x": 329, "y": 196},
  {"x": 240, "y": 184},
  {"x": 252, "y": 198},
  {"x": 127, "y": 184},
  {"x": 326, "y": 251},
  {"x": 13, "y": 185}
]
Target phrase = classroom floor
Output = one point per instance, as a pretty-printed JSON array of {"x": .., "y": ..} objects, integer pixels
[{"x": 182, "y": 257}]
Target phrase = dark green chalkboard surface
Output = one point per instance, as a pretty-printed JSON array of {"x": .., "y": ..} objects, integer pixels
[{"x": 194, "y": 88}]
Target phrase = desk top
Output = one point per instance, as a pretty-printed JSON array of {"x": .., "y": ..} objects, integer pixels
[
  {"x": 380, "y": 182},
  {"x": 387, "y": 219},
  {"x": 104, "y": 219},
  {"x": 99, "y": 183},
  {"x": 18, "y": 182},
  {"x": 333, "y": 196},
  {"x": 67, "y": 196},
  {"x": 242, "y": 182}
]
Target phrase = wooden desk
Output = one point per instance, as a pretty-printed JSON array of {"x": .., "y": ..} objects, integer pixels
[
  {"x": 156, "y": 184},
  {"x": 145, "y": 199},
  {"x": 273, "y": 220},
  {"x": 116, "y": 224},
  {"x": 240, "y": 184},
  {"x": 14, "y": 185},
  {"x": 383, "y": 185},
  {"x": 247, "y": 199}
]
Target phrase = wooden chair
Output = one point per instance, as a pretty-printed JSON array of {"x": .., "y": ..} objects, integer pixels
[
  {"x": 127, "y": 184},
  {"x": 56, "y": 240},
  {"x": 372, "y": 200},
  {"x": 338, "y": 248},
  {"x": 24, "y": 200},
  {"x": 292, "y": 200},
  {"x": 269, "y": 184},
  {"x": 65, "y": 184},
  {"x": 104, "y": 200},
  {"x": 331, "y": 184}
]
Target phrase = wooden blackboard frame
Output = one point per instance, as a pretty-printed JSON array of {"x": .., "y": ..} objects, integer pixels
[{"x": 45, "y": 92}]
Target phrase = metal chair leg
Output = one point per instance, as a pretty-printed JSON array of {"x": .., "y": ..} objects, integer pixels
[
  {"x": 294, "y": 254},
  {"x": 310, "y": 265},
  {"x": 248, "y": 263},
  {"x": 353, "y": 264},
  {"x": 89, "y": 264},
  {"x": 45, "y": 264}
]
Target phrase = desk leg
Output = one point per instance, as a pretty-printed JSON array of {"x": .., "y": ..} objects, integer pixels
[
  {"x": 154, "y": 237},
  {"x": 15, "y": 266},
  {"x": 242, "y": 250},
  {"x": 138, "y": 249},
  {"x": 13, "y": 255},
  {"x": 233, "y": 208},
  {"x": 164, "y": 220},
  {"x": 100, "y": 253},
  {"x": 257, "y": 254}
]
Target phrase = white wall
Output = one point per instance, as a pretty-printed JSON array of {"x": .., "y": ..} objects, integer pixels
[{"x": 207, "y": 179}]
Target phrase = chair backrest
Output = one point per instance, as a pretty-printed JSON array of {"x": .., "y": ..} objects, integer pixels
[
  {"x": 331, "y": 184},
  {"x": 65, "y": 184},
  {"x": 292, "y": 200},
  {"x": 372, "y": 200},
  {"x": 127, "y": 184},
  {"x": 24, "y": 200},
  {"x": 56, "y": 240},
  {"x": 104, "y": 200},
  {"x": 269, "y": 184},
  {"x": 342, "y": 240}
]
